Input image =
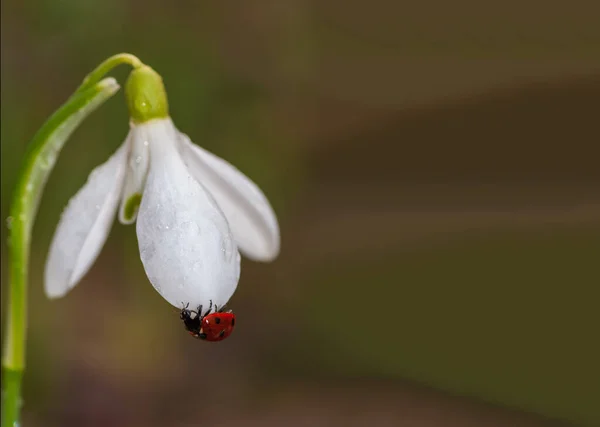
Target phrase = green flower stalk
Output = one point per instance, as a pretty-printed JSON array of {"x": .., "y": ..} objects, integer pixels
[
  {"x": 194, "y": 213},
  {"x": 39, "y": 162}
]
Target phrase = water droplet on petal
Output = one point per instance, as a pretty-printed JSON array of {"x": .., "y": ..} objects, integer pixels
[
  {"x": 166, "y": 227},
  {"x": 145, "y": 143},
  {"x": 227, "y": 248}
]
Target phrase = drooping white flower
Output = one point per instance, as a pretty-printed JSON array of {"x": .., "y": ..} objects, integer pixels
[{"x": 193, "y": 210}]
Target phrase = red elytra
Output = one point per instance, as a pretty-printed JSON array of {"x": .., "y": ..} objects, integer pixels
[{"x": 216, "y": 326}]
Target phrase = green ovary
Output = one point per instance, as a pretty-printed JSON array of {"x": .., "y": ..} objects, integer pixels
[
  {"x": 132, "y": 205},
  {"x": 146, "y": 95}
]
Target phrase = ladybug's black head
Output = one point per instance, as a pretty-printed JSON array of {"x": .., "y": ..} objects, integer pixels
[{"x": 191, "y": 324}]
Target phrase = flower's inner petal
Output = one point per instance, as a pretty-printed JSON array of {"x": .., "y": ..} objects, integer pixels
[
  {"x": 185, "y": 243},
  {"x": 84, "y": 226},
  {"x": 137, "y": 170},
  {"x": 250, "y": 216}
]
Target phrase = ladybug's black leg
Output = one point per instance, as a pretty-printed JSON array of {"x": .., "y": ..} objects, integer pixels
[
  {"x": 224, "y": 309},
  {"x": 184, "y": 311},
  {"x": 209, "y": 308}
]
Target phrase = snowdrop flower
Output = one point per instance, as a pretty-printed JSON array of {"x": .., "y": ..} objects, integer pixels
[{"x": 193, "y": 209}]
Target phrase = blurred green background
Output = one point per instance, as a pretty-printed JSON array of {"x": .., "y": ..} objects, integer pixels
[{"x": 434, "y": 168}]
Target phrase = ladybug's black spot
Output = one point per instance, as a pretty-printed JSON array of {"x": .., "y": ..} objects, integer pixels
[
  {"x": 217, "y": 320},
  {"x": 233, "y": 322},
  {"x": 221, "y": 333}
]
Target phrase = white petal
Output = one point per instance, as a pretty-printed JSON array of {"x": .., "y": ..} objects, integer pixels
[
  {"x": 185, "y": 243},
  {"x": 84, "y": 226},
  {"x": 250, "y": 216},
  {"x": 135, "y": 178}
]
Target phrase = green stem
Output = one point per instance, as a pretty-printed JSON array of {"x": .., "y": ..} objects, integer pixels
[
  {"x": 39, "y": 161},
  {"x": 106, "y": 66},
  {"x": 11, "y": 405}
]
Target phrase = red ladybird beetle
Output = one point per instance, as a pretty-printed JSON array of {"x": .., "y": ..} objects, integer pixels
[{"x": 209, "y": 327}]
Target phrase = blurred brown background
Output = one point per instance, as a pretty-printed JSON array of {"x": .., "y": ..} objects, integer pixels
[{"x": 434, "y": 167}]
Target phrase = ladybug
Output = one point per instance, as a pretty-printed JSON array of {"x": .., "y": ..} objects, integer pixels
[{"x": 209, "y": 327}]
